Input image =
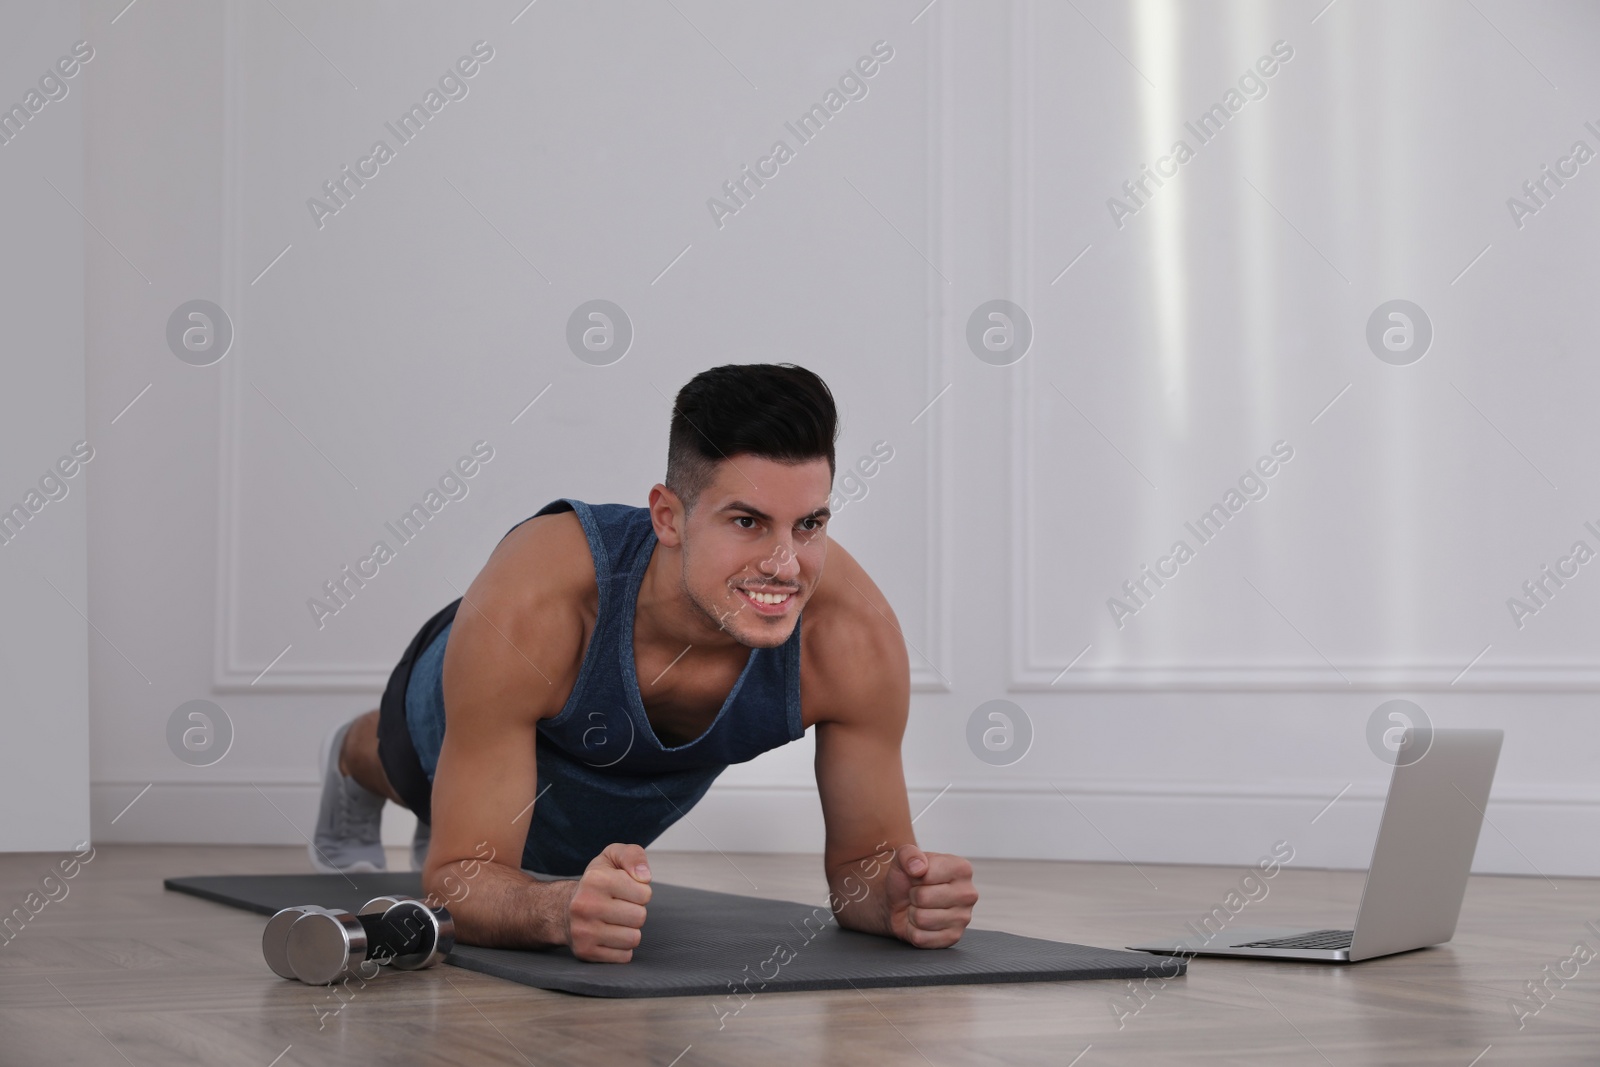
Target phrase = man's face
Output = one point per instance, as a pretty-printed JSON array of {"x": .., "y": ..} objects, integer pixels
[{"x": 753, "y": 546}]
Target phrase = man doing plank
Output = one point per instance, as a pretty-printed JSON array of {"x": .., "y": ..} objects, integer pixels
[{"x": 610, "y": 661}]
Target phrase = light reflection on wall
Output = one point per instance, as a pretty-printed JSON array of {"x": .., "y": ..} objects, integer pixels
[{"x": 1156, "y": 33}]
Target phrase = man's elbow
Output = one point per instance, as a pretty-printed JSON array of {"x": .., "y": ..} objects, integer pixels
[
  {"x": 447, "y": 875},
  {"x": 444, "y": 880},
  {"x": 438, "y": 880}
]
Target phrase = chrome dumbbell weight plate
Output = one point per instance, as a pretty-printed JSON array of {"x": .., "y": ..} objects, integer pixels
[
  {"x": 408, "y": 939},
  {"x": 422, "y": 935},
  {"x": 325, "y": 945},
  {"x": 379, "y": 905},
  {"x": 275, "y": 938}
]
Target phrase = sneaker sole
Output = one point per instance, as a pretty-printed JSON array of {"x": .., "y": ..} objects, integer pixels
[{"x": 358, "y": 867}]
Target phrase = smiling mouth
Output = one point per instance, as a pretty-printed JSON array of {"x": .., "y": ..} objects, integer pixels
[{"x": 768, "y": 601}]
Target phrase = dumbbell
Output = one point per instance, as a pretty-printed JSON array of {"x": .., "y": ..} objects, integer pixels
[
  {"x": 320, "y": 946},
  {"x": 325, "y": 945}
]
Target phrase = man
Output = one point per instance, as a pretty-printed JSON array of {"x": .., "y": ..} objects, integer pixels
[{"x": 610, "y": 661}]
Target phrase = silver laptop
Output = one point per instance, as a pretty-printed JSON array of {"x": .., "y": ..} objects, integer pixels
[{"x": 1420, "y": 863}]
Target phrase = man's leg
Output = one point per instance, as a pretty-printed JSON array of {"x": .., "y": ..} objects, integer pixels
[
  {"x": 359, "y": 758},
  {"x": 348, "y": 836},
  {"x": 360, "y": 761}
]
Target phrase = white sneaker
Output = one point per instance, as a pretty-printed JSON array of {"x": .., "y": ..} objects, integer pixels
[{"x": 349, "y": 834}]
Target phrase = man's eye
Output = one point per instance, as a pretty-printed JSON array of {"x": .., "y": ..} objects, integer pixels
[
  {"x": 745, "y": 518},
  {"x": 816, "y": 523}
]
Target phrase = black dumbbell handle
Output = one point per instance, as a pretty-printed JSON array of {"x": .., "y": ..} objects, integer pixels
[{"x": 387, "y": 938}]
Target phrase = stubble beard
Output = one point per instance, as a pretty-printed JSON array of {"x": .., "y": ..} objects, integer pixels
[{"x": 722, "y": 618}]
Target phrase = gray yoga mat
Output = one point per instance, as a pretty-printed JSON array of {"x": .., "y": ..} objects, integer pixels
[{"x": 701, "y": 943}]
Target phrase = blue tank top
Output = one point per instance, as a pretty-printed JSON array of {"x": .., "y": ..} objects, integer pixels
[{"x": 604, "y": 776}]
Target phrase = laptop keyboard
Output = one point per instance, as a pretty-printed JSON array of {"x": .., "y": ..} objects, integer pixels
[{"x": 1316, "y": 939}]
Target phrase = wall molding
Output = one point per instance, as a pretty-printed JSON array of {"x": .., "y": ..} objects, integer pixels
[
  {"x": 1031, "y": 676},
  {"x": 1031, "y": 673},
  {"x": 234, "y": 672},
  {"x": 1214, "y": 824},
  {"x": 927, "y": 677}
]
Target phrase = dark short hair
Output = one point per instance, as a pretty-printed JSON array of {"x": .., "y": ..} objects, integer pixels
[{"x": 774, "y": 410}]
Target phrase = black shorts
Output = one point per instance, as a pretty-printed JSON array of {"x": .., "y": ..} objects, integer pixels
[{"x": 395, "y": 751}]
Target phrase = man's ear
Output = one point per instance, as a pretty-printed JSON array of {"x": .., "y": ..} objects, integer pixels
[{"x": 667, "y": 515}]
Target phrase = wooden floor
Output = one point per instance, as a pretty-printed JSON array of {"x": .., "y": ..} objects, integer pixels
[{"x": 120, "y": 971}]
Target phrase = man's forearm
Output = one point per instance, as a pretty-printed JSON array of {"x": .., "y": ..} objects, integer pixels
[
  {"x": 856, "y": 893},
  {"x": 497, "y": 907}
]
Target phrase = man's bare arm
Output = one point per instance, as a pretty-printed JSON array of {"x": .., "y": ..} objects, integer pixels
[
  {"x": 881, "y": 881},
  {"x": 512, "y": 659},
  {"x": 864, "y": 806},
  {"x": 500, "y": 672},
  {"x": 863, "y": 689}
]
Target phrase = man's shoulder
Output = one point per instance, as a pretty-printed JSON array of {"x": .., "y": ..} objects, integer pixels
[
  {"x": 853, "y": 655},
  {"x": 524, "y": 621},
  {"x": 544, "y": 556}
]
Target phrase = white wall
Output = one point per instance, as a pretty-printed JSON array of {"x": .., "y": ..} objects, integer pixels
[
  {"x": 1221, "y": 318},
  {"x": 44, "y": 583}
]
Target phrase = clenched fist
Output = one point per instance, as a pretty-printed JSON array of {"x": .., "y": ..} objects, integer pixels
[
  {"x": 930, "y": 896},
  {"x": 606, "y": 912}
]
